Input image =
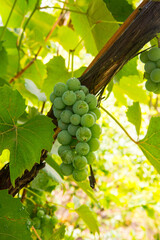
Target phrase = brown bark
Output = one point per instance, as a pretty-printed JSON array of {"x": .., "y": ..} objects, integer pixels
[{"x": 142, "y": 25}]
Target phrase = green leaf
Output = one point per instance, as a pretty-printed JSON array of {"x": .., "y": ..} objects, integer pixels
[
  {"x": 9, "y": 39},
  {"x": 99, "y": 25},
  {"x": 132, "y": 87},
  {"x": 26, "y": 141},
  {"x": 3, "y": 62},
  {"x": 134, "y": 115},
  {"x": 150, "y": 144},
  {"x": 54, "y": 165},
  {"x": 14, "y": 219},
  {"x": 32, "y": 88},
  {"x": 88, "y": 217},
  {"x": 58, "y": 233},
  {"x": 117, "y": 8}
]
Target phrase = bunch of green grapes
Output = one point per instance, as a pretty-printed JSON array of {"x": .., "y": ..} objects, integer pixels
[
  {"x": 76, "y": 112},
  {"x": 44, "y": 217},
  {"x": 151, "y": 59}
]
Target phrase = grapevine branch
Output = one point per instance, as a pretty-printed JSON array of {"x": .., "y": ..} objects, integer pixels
[{"x": 141, "y": 26}]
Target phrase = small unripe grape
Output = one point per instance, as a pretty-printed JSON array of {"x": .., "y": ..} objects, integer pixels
[
  {"x": 64, "y": 137},
  {"x": 96, "y": 130},
  {"x": 67, "y": 156},
  {"x": 56, "y": 112},
  {"x": 82, "y": 148},
  {"x": 84, "y": 89},
  {"x": 54, "y": 220},
  {"x": 52, "y": 97},
  {"x": 36, "y": 222},
  {"x": 80, "y": 175},
  {"x": 91, "y": 100},
  {"x": 69, "y": 98},
  {"x": 66, "y": 169},
  {"x": 155, "y": 75},
  {"x": 60, "y": 88},
  {"x": 144, "y": 57},
  {"x": 151, "y": 86},
  {"x": 79, "y": 162},
  {"x": 158, "y": 63},
  {"x": 80, "y": 107},
  {"x": 157, "y": 91},
  {"x": 73, "y": 84},
  {"x": 62, "y": 125},
  {"x": 94, "y": 144},
  {"x": 146, "y": 75},
  {"x": 65, "y": 116},
  {"x": 94, "y": 115},
  {"x": 87, "y": 120},
  {"x": 72, "y": 129},
  {"x": 91, "y": 157},
  {"x": 83, "y": 134},
  {"x": 149, "y": 66},
  {"x": 58, "y": 103},
  {"x": 40, "y": 213},
  {"x": 75, "y": 119},
  {"x": 80, "y": 95},
  {"x": 97, "y": 112},
  {"x": 62, "y": 148},
  {"x": 154, "y": 54}
]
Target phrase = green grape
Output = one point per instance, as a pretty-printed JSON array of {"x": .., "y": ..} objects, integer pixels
[
  {"x": 97, "y": 112},
  {"x": 80, "y": 95},
  {"x": 72, "y": 129},
  {"x": 56, "y": 112},
  {"x": 155, "y": 75},
  {"x": 65, "y": 116},
  {"x": 149, "y": 66},
  {"x": 66, "y": 169},
  {"x": 62, "y": 125},
  {"x": 58, "y": 103},
  {"x": 67, "y": 156},
  {"x": 144, "y": 57},
  {"x": 151, "y": 86},
  {"x": 54, "y": 220},
  {"x": 62, "y": 148},
  {"x": 158, "y": 63},
  {"x": 46, "y": 219},
  {"x": 40, "y": 213},
  {"x": 75, "y": 119},
  {"x": 69, "y": 98},
  {"x": 80, "y": 175},
  {"x": 83, "y": 134},
  {"x": 91, "y": 100},
  {"x": 91, "y": 157},
  {"x": 73, "y": 84},
  {"x": 64, "y": 137},
  {"x": 79, "y": 162},
  {"x": 94, "y": 144},
  {"x": 60, "y": 88},
  {"x": 82, "y": 148},
  {"x": 146, "y": 75},
  {"x": 154, "y": 54},
  {"x": 96, "y": 130},
  {"x": 36, "y": 222},
  {"x": 52, "y": 97},
  {"x": 87, "y": 120},
  {"x": 94, "y": 115},
  {"x": 80, "y": 107},
  {"x": 157, "y": 91},
  {"x": 84, "y": 89}
]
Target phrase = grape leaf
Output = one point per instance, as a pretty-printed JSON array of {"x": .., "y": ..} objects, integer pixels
[
  {"x": 117, "y": 8},
  {"x": 26, "y": 141},
  {"x": 88, "y": 217},
  {"x": 58, "y": 233},
  {"x": 150, "y": 144},
  {"x": 3, "y": 62},
  {"x": 14, "y": 219},
  {"x": 99, "y": 25},
  {"x": 134, "y": 115}
]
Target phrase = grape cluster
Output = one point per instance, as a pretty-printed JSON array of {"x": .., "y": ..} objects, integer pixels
[
  {"x": 42, "y": 217},
  {"x": 76, "y": 111},
  {"x": 151, "y": 59}
]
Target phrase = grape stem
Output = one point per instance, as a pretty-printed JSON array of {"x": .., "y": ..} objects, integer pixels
[
  {"x": 5, "y": 26},
  {"x": 34, "y": 230},
  {"x": 118, "y": 123}
]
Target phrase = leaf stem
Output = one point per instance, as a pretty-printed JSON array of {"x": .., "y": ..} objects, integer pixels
[
  {"x": 5, "y": 26},
  {"x": 66, "y": 9},
  {"x": 119, "y": 124}
]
